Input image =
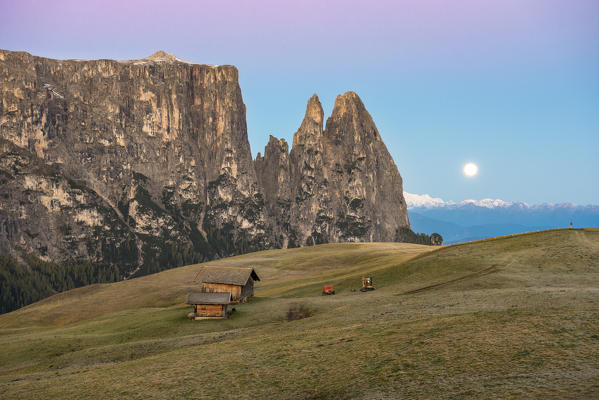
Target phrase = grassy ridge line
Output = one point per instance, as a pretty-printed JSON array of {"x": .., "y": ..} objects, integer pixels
[{"x": 521, "y": 234}]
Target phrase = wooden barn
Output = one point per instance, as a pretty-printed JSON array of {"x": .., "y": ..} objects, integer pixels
[
  {"x": 237, "y": 281},
  {"x": 209, "y": 305}
]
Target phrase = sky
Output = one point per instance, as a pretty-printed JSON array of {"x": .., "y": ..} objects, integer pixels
[{"x": 511, "y": 85}]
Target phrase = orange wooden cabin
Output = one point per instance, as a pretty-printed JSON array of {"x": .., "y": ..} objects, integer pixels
[
  {"x": 209, "y": 305},
  {"x": 237, "y": 281}
]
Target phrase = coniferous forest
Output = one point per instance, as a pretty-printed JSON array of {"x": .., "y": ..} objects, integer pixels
[{"x": 25, "y": 283}]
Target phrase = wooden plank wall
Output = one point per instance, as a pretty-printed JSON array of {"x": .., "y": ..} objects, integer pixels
[
  {"x": 235, "y": 290},
  {"x": 248, "y": 289},
  {"x": 210, "y": 310}
]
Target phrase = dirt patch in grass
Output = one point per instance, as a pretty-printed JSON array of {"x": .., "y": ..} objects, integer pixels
[{"x": 299, "y": 311}]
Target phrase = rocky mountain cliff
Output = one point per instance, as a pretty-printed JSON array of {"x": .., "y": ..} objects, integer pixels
[
  {"x": 142, "y": 165},
  {"x": 337, "y": 184}
]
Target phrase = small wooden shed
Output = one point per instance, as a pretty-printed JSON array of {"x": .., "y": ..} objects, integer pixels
[
  {"x": 239, "y": 281},
  {"x": 209, "y": 305}
]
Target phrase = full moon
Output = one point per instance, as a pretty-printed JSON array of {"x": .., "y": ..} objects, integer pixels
[{"x": 470, "y": 169}]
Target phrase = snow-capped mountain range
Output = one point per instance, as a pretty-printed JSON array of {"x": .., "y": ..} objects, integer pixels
[
  {"x": 427, "y": 201},
  {"x": 477, "y": 219}
]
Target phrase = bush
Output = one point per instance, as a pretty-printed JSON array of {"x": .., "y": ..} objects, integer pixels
[
  {"x": 300, "y": 311},
  {"x": 436, "y": 239}
]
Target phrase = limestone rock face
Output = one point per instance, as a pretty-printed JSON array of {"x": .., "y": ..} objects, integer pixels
[
  {"x": 345, "y": 185},
  {"x": 46, "y": 214},
  {"x": 159, "y": 143},
  {"x": 370, "y": 189},
  {"x": 311, "y": 211},
  {"x": 142, "y": 165},
  {"x": 273, "y": 171}
]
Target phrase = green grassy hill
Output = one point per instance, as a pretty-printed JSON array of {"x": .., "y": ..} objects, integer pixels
[{"x": 512, "y": 317}]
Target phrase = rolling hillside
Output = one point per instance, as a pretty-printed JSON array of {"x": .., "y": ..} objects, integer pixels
[{"x": 511, "y": 317}]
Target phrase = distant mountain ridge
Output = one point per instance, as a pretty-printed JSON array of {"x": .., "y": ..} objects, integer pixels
[
  {"x": 427, "y": 201},
  {"x": 477, "y": 219}
]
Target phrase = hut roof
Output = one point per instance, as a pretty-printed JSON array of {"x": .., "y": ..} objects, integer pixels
[
  {"x": 227, "y": 275},
  {"x": 209, "y": 298}
]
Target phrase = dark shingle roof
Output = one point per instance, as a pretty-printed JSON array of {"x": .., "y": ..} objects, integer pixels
[
  {"x": 209, "y": 298},
  {"x": 227, "y": 275}
]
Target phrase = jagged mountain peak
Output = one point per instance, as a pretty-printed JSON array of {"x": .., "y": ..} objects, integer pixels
[
  {"x": 273, "y": 142},
  {"x": 314, "y": 103},
  {"x": 350, "y": 120},
  {"x": 314, "y": 110},
  {"x": 312, "y": 124},
  {"x": 274, "y": 139},
  {"x": 349, "y": 96},
  {"x": 348, "y": 102}
]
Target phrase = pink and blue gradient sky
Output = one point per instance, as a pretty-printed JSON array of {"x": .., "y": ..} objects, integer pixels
[{"x": 512, "y": 85}]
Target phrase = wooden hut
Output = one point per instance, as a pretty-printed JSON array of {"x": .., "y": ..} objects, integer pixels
[
  {"x": 209, "y": 305},
  {"x": 237, "y": 281}
]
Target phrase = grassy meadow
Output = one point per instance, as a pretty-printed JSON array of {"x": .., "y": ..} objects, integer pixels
[{"x": 514, "y": 318}]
